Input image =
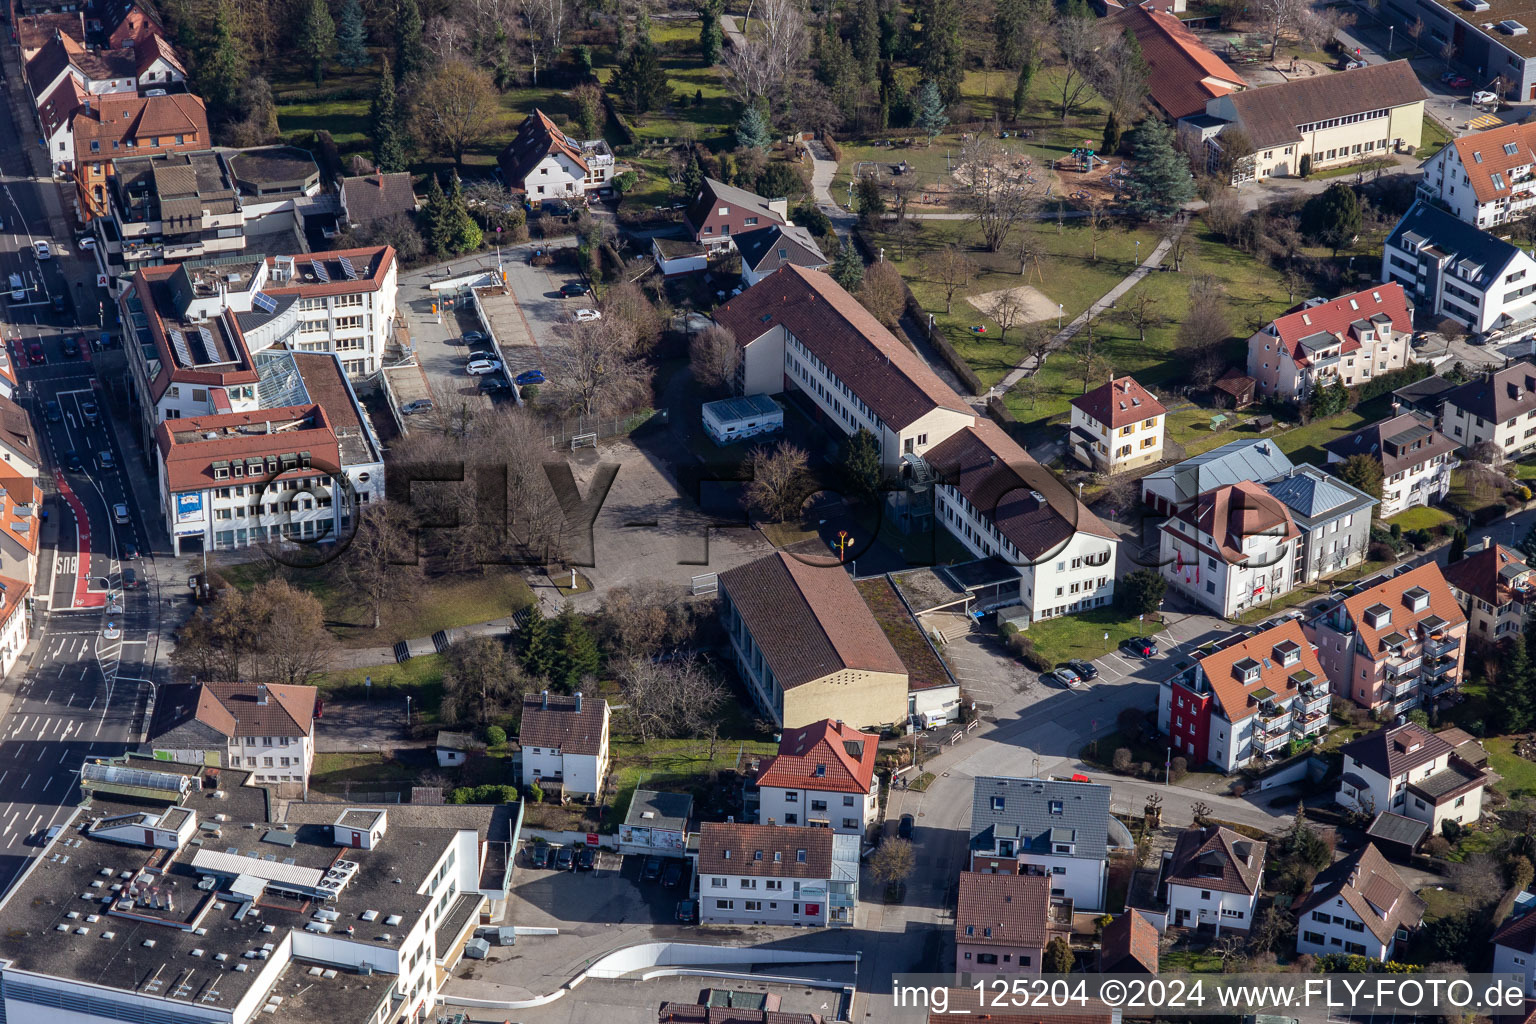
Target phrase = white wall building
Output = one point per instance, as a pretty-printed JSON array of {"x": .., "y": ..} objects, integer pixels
[
  {"x": 823, "y": 776},
  {"x": 1359, "y": 906},
  {"x": 1514, "y": 944},
  {"x": 1485, "y": 178},
  {"x": 1231, "y": 549},
  {"x": 1117, "y": 426},
  {"x": 564, "y": 743},
  {"x": 1044, "y": 827},
  {"x": 1450, "y": 268},
  {"x": 266, "y": 729},
  {"x": 1214, "y": 878},
  {"x": 782, "y": 875},
  {"x": 1499, "y": 407},
  {"x": 1408, "y": 770},
  {"x": 1416, "y": 459}
]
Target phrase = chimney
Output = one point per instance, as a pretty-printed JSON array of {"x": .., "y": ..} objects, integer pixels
[
  {"x": 261, "y": 695},
  {"x": 578, "y": 702},
  {"x": 839, "y": 725},
  {"x": 544, "y": 700}
]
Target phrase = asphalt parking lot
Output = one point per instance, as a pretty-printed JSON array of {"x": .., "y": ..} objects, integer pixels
[{"x": 611, "y": 893}]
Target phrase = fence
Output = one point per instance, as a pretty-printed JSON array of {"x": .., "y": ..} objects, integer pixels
[
  {"x": 708, "y": 583},
  {"x": 603, "y": 429}
]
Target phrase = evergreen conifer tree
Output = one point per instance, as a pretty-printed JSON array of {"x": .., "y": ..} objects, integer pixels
[
  {"x": 389, "y": 140},
  {"x": 537, "y": 645},
  {"x": 434, "y": 220},
  {"x": 317, "y": 38},
  {"x": 752, "y": 130},
  {"x": 352, "y": 36},
  {"x": 1515, "y": 686},
  {"x": 410, "y": 51},
  {"x": 932, "y": 116},
  {"x": 1160, "y": 183},
  {"x": 460, "y": 232},
  {"x": 848, "y": 266}
]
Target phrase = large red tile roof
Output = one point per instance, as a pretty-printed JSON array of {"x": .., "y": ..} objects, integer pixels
[
  {"x": 1488, "y": 574},
  {"x": 188, "y": 454},
  {"x": 1442, "y": 603},
  {"x": 1237, "y": 698},
  {"x": 1335, "y": 317},
  {"x": 1003, "y": 910},
  {"x": 764, "y": 851},
  {"x": 828, "y": 756},
  {"x": 1184, "y": 72},
  {"x": 1234, "y": 513},
  {"x": 1120, "y": 402},
  {"x": 257, "y": 709},
  {"x": 1496, "y": 151}
]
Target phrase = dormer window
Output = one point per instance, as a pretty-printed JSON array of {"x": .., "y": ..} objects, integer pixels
[
  {"x": 1416, "y": 599},
  {"x": 1287, "y": 652},
  {"x": 1246, "y": 670},
  {"x": 799, "y": 856},
  {"x": 1054, "y": 806},
  {"x": 1378, "y": 615}
]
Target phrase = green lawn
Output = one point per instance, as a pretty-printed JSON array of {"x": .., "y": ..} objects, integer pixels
[
  {"x": 421, "y": 678},
  {"x": 1311, "y": 592},
  {"x": 1519, "y": 774},
  {"x": 1421, "y": 518},
  {"x": 1188, "y": 961},
  {"x": 1305, "y": 444},
  {"x": 1082, "y": 635},
  {"x": 346, "y": 120},
  {"x": 1191, "y": 428},
  {"x": 1434, "y": 139}
]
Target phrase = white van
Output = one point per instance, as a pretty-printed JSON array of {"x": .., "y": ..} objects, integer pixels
[{"x": 18, "y": 289}]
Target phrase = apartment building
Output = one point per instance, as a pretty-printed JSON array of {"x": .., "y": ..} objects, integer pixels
[
  {"x": 358, "y": 920},
  {"x": 1490, "y": 36},
  {"x": 370, "y": 198},
  {"x": 1485, "y": 178},
  {"x": 1416, "y": 459},
  {"x": 342, "y": 301},
  {"x": 1214, "y": 877},
  {"x": 1049, "y": 828},
  {"x": 20, "y": 499},
  {"x": 720, "y": 212},
  {"x": 1245, "y": 698},
  {"x": 34, "y": 31},
  {"x": 784, "y": 875},
  {"x": 169, "y": 207},
  {"x": 268, "y": 729},
  {"x": 1324, "y": 121},
  {"x": 1231, "y": 549},
  {"x": 1452, "y": 269},
  {"x": 1003, "y": 924},
  {"x": 1496, "y": 589},
  {"x": 98, "y": 72},
  {"x": 1116, "y": 427},
  {"x": 564, "y": 742},
  {"x": 1333, "y": 518},
  {"x": 18, "y": 440},
  {"x": 107, "y": 127},
  {"x": 1173, "y": 487},
  {"x": 808, "y": 648},
  {"x": 1497, "y": 408},
  {"x": 1408, "y": 770},
  {"x": 1514, "y": 944},
  {"x": 1358, "y": 906},
  {"x": 823, "y": 776},
  {"x": 542, "y": 162},
  {"x": 1349, "y": 339},
  {"x": 1396, "y": 645}
]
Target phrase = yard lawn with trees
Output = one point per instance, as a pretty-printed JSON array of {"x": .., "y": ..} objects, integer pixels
[
  {"x": 1305, "y": 443},
  {"x": 1082, "y": 635}
]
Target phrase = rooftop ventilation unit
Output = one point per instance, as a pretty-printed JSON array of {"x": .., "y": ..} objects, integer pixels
[
  {"x": 1510, "y": 27},
  {"x": 1475, "y": 5}
]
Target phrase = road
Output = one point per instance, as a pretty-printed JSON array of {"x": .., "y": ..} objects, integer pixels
[{"x": 79, "y": 690}]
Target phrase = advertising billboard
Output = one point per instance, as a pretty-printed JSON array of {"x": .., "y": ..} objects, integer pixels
[{"x": 189, "y": 506}]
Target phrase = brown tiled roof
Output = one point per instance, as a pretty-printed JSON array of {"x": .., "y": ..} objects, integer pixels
[
  {"x": 18, "y": 491},
  {"x": 827, "y": 755},
  {"x": 33, "y": 31},
  {"x": 1518, "y": 933},
  {"x": 1442, "y": 603},
  {"x": 375, "y": 196},
  {"x": 536, "y": 138},
  {"x": 1184, "y": 74},
  {"x": 155, "y": 47},
  {"x": 1498, "y": 394},
  {"x": 50, "y": 61},
  {"x": 1236, "y": 697},
  {"x": 123, "y": 117},
  {"x": 889, "y": 377},
  {"x": 60, "y": 105},
  {"x": 1003, "y": 910},
  {"x": 764, "y": 851},
  {"x": 807, "y": 620},
  {"x": 16, "y": 430},
  {"x": 1396, "y": 750},
  {"x": 1372, "y": 888},
  {"x": 561, "y": 726},
  {"x": 106, "y": 65},
  {"x": 1271, "y": 113},
  {"x": 1213, "y": 858},
  {"x": 136, "y": 25},
  {"x": 717, "y": 193},
  {"x": 1479, "y": 573},
  {"x": 1119, "y": 403},
  {"x": 189, "y": 462},
  {"x": 1233, "y": 513},
  {"x": 1372, "y": 440},
  {"x": 234, "y": 709},
  {"x": 1483, "y": 154},
  {"x": 1128, "y": 942},
  {"x": 1025, "y": 501}
]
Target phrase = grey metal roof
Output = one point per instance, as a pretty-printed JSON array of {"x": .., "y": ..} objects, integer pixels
[
  {"x": 1395, "y": 828},
  {"x": 1480, "y": 254},
  {"x": 1256, "y": 459},
  {"x": 1027, "y": 812},
  {"x": 1312, "y": 494},
  {"x": 654, "y": 809}
]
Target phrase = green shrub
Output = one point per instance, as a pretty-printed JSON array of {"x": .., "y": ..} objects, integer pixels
[
  {"x": 536, "y": 792},
  {"x": 626, "y": 181},
  {"x": 495, "y": 735}
]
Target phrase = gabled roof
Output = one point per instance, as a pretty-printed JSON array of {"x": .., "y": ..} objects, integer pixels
[
  {"x": 1518, "y": 930},
  {"x": 536, "y": 138},
  {"x": 1233, "y": 514},
  {"x": 1217, "y": 858},
  {"x": 1341, "y": 317},
  {"x": 1272, "y": 113},
  {"x": 257, "y": 709},
  {"x": 155, "y": 47},
  {"x": 1399, "y": 443},
  {"x": 1442, "y": 604},
  {"x": 1120, "y": 402},
  {"x": 1497, "y": 395},
  {"x": 1437, "y": 235},
  {"x": 559, "y": 725},
  {"x": 59, "y": 106},
  {"x": 33, "y": 31},
  {"x": 50, "y": 61},
  {"x": 807, "y": 620},
  {"x": 1038, "y": 812},
  {"x": 1490, "y": 574},
  {"x": 1372, "y": 888},
  {"x": 764, "y": 851},
  {"x": 191, "y": 457},
  {"x": 826, "y": 756},
  {"x": 121, "y": 117},
  {"x": 1396, "y": 750},
  {"x": 717, "y": 193},
  {"x": 1000, "y": 479},
  {"x": 1257, "y": 459},
  {"x": 1488, "y": 157},
  {"x": 767, "y": 249},
  {"x": 1313, "y": 495},
  {"x": 1129, "y": 943},
  {"x": 888, "y": 376},
  {"x": 20, "y": 499},
  {"x": 1003, "y": 910},
  {"x": 135, "y": 22},
  {"x": 378, "y": 195},
  {"x": 16, "y": 431},
  {"x": 1184, "y": 73},
  {"x": 1238, "y": 698}
]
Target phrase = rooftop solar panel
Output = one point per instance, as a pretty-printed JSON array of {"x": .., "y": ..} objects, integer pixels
[
  {"x": 208, "y": 346},
  {"x": 264, "y": 302},
  {"x": 321, "y": 272},
  {"x": 179, "y": 343},
  {"x": 348, "y": 269}
]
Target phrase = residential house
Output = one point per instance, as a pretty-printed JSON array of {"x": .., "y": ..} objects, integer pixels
[
  {"x": 158, "y": 66},
  {"x": 766, "y": 874},
  {"x": 764, "y": 250},
  {"x": 18, "y": 441},
  {"x": 1493, "y": 40},
  {"x": 99, "y": 72},
  {"x": 675, "y": 256},
  {"x": 128, "y": 24},
  {"x": 1183, "y": 74},
  {"x": 20, "y": 499},
  {"x": 1322, "y": 121},
  {"x": 34, "y": 31},
  {"x": 107, "y": 127},
  {"x": 822, "y": 776},
  {"x": 1214, "y": 877},
  {"x": 1496, "y": 589},
  {"x": 370, "y": 198},
  {"x": 1129, "y": 945},
  {"x": 1408, "y": 770},
  {"x": 1245, "y": 698},
  {"x": 1452, "y": 269},
  {"x": 1416, "y": 459},
  {"x": 1347, "y": 340},
  {"x": 1422, "y": 396},
  {"x": 720, "y": 212},
  {"x": 1231, "y": 549},
  {"x": 1514, "y": 943},
  {"x": 1117, "y": 426},
  {"x": 1398, "y": 644},
  {"x": 15, "y": 621},
  {"x": 266, "y": 729},
  {"x": 1484, "y": 178},
  {"x": 56, "y": 116},
  {"x": 543, "y": 162},
  {"x": 454, "y": 748},
  {"x": 1046, "y": 827},
  {"x": 1171, "y": 487},
  {"x": 1360, "y": 906},
  {"x": 808, "y": 649},
  {"x": 1333, "y": 517},
  {"x": 1002, "y": 926},
  {"x": 1498, "y": 408},
  {"x": 564, "y": 742}
]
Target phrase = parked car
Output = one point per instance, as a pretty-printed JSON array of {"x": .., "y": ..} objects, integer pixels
[
  {"x": 1458, "y": 81},
  {"x": 1141, "y": 646},
  {"x": 528, "y": 377},
  {"x": 419, "y": 405},
  {"x": 1068, "y": 678},
  {"x": 105, "y": 460},
  {"x": 493, "y": 383},
  {"x": 1351, "y": 65},
  {"x": 1485, "y": 98},
  {"x": 904, "y": 827},
  {"x": 474, "y": 337},
  {"x": 87, "y": 243},
  {"x": 35, "y": 351},
  {"x": 482, "y": 366},
  {"x": 41, "y": 250},
  {"x": 71, "y": 347},
  {"x": 1054, "y": 679},
  {"x": 586, "y": 858},
  {"x": 55, "y": 414},
  {"x": 1086, "y": 669},
  {"x": 120, "y": 514},
  {"x": 57, "y": 302},
  {"x": 538, "y": 855},
  {"x": 565, "y": 859},
  {"x": 651, "y": 870},
  {"x": 586, "y": 316},
  {"x": 90, "y": 411},
  {"x": 672, "y": 876},
  {"x": 572, "y": 290},
  {"x": 687, "y": 911},
  {"x": 73, "y": 462}
]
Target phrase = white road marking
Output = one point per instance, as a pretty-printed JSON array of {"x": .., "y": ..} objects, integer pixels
[{"x": 63, "y": 755}]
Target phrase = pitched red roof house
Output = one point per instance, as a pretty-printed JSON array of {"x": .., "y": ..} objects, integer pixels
[
  {"x": 1118, "y": 403},
  {"x": 1184, "y": 73},
  {"x": 826, "y": 756},
  {"x": 1343, "y": 318},
  {"x": 1235, "y": 513}
]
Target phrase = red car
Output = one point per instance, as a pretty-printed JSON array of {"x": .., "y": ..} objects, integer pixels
[
  {"x": 35, "y": 351},
  {"x": 1459, "y": 82}
]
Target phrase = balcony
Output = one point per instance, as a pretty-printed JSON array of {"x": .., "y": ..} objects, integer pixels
[
  {"x": 1306, "y": 725},
  {"x": 1401, "y": 688},
  {"x": 1402, "y": 707},
  {"x": 1399, "y": 667},
  {"x": 1436, "y": 688},
  {"x": 1318, "y": 700},
  {"x": 1437, "y": 668},
  {"x": 1434, "y": 647},
  {"x": 1268, "y": 743}
]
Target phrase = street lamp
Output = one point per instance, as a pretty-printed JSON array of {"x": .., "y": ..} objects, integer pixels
[
  {"x": 1391, "y": 31},
  {"x": 1059, "y": 309}
]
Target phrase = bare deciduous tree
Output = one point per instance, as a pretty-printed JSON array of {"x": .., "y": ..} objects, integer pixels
[
  {"x": 780, "y": 483},
  {"x": 382, "y": 556},
  {"x": 446, "y": 38},
  {"x": 673, "y": 698},
  {"x": 595, "y": 372},
  {"x": 714, "y": 356},
  {"x": 882, "y": 292},
  {"x": 1142, "y": 311},
  {"x": 1008, "y": 311},
  {"x": 997, "y": 195},
  {"x": 640, "y": 620},
  {"x": 479, "y": 681},
  {"x": 545, "y": 22},
  {"x": 1077, "y": 42},
  {"x": 455, "y": 108},
  {"x": 1097, "y": 216},
  {"x": 951, "y": 269},
  {"x": 746, "y": 70}
]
